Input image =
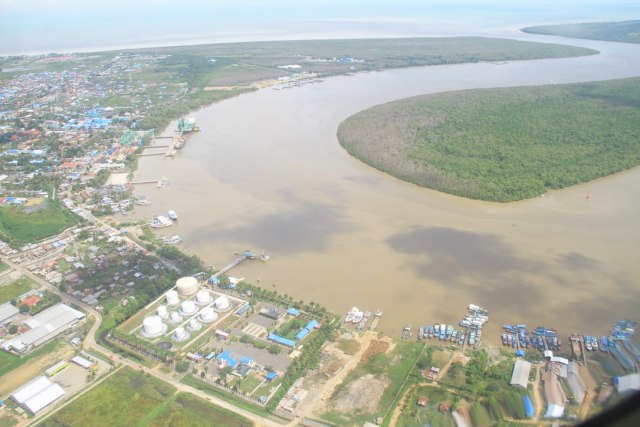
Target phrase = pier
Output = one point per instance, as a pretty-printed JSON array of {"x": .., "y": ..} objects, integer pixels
[
  {"x": 245, "y": 256},
  {"x": 144, "y": 182},
  {"x": 150, "y": 154}
]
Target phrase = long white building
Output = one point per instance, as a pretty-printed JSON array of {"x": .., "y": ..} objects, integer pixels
[
  {"x": 37, "y": 394},
  {"x": 44, "y": 326}
]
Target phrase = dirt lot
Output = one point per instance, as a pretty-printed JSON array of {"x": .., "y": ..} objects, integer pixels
[
  {"x": 376, "y": 347},
  {"x": 362, "y": 395},
  {"x": 33, "y": 368}
]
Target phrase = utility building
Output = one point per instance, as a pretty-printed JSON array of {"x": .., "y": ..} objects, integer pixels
[{"x": 520, "y": 375}]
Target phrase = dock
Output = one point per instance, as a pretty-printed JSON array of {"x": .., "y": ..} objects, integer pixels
[
  {"x": 245, "y": 256},
  {"x": 374, "y": 323},
  {"x": 144, "y": 182},
  {"x": 150, "y": 154}
]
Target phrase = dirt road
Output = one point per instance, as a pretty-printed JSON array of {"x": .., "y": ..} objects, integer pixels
[{"x": 330, "y": 386}]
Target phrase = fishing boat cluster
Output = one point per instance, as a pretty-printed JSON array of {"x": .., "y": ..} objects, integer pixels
[
  {"x": 617, "y": 343},
  {"x": 161, "y": 221},
  {"x": 470, "y": 328},
  {"x": 359, "y": 318},
  {"x": 542, "y": 338}
]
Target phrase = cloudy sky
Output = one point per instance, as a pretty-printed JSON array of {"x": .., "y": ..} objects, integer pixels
[{"x": 35, "y": 26}]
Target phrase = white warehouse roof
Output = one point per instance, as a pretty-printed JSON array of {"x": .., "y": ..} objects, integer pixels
[
  {"x": 37, "y": 394},
  {"x": 7, "y": 311},
  {"x": 520, "y": 374},
  {"x": 45, "y": 326}
]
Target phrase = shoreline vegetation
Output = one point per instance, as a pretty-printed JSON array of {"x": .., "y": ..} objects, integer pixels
[
  {"x": 503, "y": 144},
  {"x": 623, "y": 31},
  {"x": 215, "y": 72}
]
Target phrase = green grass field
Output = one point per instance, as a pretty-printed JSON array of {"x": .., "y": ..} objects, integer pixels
[
  {"x": 9, "y": 362},
  {"x": 17, "y": 226},
  {"x": 132, "y": 398},
  {"x": 3, "y": 266},
  {"x": 502, "y": 144},
  {"x": 15, "y": 289},
  {"x": 624, "y": 31}
]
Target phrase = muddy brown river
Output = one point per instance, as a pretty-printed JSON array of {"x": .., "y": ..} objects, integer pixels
[{"x": 267, "y": 173}]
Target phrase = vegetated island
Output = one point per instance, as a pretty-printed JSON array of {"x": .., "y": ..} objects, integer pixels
[
  {"x": 623, "y": 31},
  {"x": 502, "y": 144}
]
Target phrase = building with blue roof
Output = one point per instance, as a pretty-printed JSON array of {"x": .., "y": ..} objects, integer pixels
[
  {"x": 282, "y": 340},
  {"x": 528, "y": 407},
  {"x": 225, "y": 359},
  {"x": 303, "y": 333},
  {"x": 246, "y": 360},
  {"x": 311, "y": 325},
  {"x": 271, "y": 376},
  {"x": 293, "y": 311}
]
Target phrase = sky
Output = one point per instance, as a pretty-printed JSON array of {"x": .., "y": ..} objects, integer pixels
[{"x": 41, "y": 26}]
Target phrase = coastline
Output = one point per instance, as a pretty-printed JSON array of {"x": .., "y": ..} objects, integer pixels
[{"x": 357, "y": 214}]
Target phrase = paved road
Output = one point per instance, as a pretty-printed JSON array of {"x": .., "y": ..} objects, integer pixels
[{"x": 90, "y": 342}]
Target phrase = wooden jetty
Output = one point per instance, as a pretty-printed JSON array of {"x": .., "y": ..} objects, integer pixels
[{"x": 245, "y": 256}]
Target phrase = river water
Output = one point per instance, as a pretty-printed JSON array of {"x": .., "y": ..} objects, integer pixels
[{"x": 267, "y": 173}]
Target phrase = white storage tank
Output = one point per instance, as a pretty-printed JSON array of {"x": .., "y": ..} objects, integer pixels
[
  {"x": 152, "y": 326},
  {"x": 194, "y": 325},
  {"x": 162, "y": 311},
  {"x": 180, "y": 334},
  {"x": 188, "y": 308},
  {"x": 222, "y": 303},
  {"x": 203, "y": 297},
  {"x": 187, "y": 286},
  {"x": 172, "y": 297},
  {"x": 207, "y": 315},
  {"x": 175, "y": 317}
]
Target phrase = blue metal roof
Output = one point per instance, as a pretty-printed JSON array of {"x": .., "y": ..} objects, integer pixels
[
  {"x": 282, "y": 340},
  {"x": 528, "y": 407},
  {"x": 303, "y": 333},
  {"x": 293, "y": 311},
  {"x": 311, "y": 325},
  {"x": 227, "y": 357}
]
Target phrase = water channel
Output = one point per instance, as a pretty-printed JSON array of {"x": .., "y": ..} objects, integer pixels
[{"x": 267, "y": 173}]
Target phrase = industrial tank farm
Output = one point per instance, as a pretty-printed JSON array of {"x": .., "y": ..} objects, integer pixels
[{"x": 185, "y": 310}]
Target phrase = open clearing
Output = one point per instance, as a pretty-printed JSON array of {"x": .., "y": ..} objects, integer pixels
[
  {"x": 132, "y": 398},
  {"x": 16, "y": 371}
]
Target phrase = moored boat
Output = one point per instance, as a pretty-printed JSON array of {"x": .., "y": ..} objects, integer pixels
[
  {"x": 160, "y": 222},
  {"x": 173, "y": 215}
]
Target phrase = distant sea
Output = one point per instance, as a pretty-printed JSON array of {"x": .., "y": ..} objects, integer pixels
[{"x": 37, "y": 26}]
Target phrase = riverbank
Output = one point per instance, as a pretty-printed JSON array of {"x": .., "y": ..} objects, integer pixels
[{"x": 376, "y": 242}]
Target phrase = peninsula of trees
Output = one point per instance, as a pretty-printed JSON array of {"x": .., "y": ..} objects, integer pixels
[
  {"x": 502, "y": 144},
  {"x": 624, "y": 31}
]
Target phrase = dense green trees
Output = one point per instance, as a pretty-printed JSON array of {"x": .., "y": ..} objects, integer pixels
[
  {"x": 502, "y": 144},
  {"x": 624, "y": 31}
]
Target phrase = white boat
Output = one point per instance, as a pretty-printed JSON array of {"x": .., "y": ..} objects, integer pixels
[
  {"x": 163, "y": 182},
  {"x": 160, "y": 222},
  {"x": 173, "y": 215},
  {"x": 378, "y": 313},
  {"x": 172, "y": 240},
  {"x": 351, "y": 314},
  {"x": 142, "y": 201},
  {"x": 358, "y": 316}
]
